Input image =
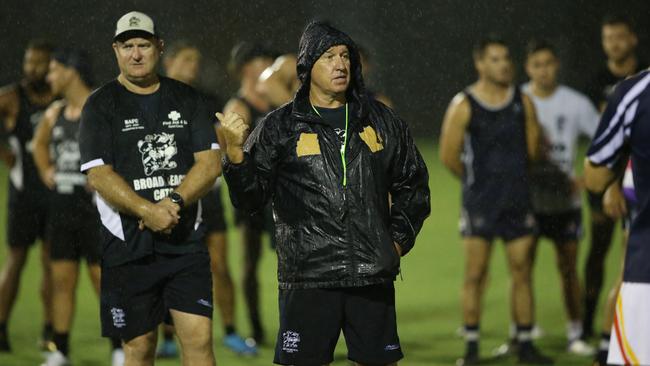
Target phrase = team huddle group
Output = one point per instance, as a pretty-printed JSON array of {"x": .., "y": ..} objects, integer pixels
[{"x": 125, "y": 177}]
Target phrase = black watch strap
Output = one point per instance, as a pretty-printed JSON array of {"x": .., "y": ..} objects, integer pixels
[{"x": 177, "y": 199}]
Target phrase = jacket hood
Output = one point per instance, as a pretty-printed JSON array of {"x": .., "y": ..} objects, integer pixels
[{"x": 317, "y": 38}]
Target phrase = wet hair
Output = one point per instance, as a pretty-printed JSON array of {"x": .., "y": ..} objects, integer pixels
[
  {"x": 484, "y": 43},
  {"x": 40, "y": 45},
  {"x": 175, "y": 48},
  {"x": 619, "y": 19},
  {"x": 537, "y": 45},
  {"x": 245, "y": 52}
]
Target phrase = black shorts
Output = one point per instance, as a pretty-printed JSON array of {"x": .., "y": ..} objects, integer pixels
[
  {"x": 75, "y": 234},
  {"x": 26, "y": 218},
  {"x": 505, "y": 224},
  {"x": 213, "y": 212},
  {"x": 137, "y": 296},
  {"x": 561, "y": 227},
  {"x": 261, "y": 220},
  {"x": 311, "y": 321}
]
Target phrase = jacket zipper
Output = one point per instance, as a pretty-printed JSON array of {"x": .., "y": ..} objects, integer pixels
[{"x": 342, "y": 152}]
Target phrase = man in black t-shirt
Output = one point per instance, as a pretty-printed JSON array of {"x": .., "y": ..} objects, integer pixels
[
  {"x": 73, "y": 223},
  {"x": 21, "y": 107},
  {"x": 619, "y": 42},
  {"x": 150, "y": 151},
  {"x": 247, "y": 62},
  {"x": 182, "y": 62}
]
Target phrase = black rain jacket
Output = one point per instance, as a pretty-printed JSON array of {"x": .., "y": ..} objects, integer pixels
[{"x": 328, "y": 234}]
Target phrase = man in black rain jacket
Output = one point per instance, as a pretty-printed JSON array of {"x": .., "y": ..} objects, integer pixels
[{"x": 350, "y": 193}]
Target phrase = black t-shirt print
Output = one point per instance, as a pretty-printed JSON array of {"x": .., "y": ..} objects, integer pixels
[{"x": 150, "y": 142}]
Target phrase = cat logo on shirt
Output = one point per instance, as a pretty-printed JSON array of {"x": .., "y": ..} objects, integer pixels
[{"x": 157, "y": 152}]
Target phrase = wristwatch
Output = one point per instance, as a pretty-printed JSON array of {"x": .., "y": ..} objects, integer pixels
[{"x": 177, "y": 199}]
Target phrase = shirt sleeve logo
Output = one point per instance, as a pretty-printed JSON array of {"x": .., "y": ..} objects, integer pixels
[{"x": 157, "y": 152}]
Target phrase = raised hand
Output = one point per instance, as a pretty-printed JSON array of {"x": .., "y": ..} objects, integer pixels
[{"x": 234, "y": 132}]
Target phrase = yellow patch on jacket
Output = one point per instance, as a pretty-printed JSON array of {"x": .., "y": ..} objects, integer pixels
[
  {"x": 308, "y": 145},
  {"x": 370, "y": 137}
]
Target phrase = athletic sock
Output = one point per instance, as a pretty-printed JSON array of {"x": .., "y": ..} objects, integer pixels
[
  {"x": 525, "y": 337},
  {"x": 604, "y": 341},
  {"x": 512, "y": 334},
  {"x": 47, "y": 331},
  {"x": 472, "y": 336},
  {"x": 603, "y": 349},
  {"x": 61, "y": 342},
  {"x": 230, "y": 329},
  {"x": 573, "y": 330},
  {"x": 116, "y": 343},
  {"x": 591, "y": 302},
  {"x": 4, "y": 338},
  {"x": 258, "y": 332},
  {"x": 601, "y": 234}
]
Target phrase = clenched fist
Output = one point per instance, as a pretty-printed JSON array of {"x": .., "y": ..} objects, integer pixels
[
  {"x": 161, "y": 217},
  {"x": 233, "y": 132}
]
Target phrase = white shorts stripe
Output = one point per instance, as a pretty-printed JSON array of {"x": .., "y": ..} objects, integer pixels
[{"x": 630, "y": 341}]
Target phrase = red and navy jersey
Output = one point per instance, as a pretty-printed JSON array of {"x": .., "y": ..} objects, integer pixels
[{"x": 625, "y": 127}]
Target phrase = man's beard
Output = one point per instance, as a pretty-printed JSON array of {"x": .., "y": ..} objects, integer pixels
[
  {"x": 624, "y": 57},
  {"x": 38, "y": 85}
]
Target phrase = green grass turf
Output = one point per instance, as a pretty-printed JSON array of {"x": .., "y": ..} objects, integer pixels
[{"x": 428, "y": 297}]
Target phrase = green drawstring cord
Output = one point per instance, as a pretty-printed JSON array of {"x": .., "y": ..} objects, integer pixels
[{"x": 345, "y": 142}]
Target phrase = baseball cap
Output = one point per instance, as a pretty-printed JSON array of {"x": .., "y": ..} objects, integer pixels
[{"x": 133, "y": 23}]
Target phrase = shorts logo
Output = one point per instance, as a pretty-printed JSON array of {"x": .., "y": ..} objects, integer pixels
[
  {"x": 530, "y": 221},
  {"x": 204, "y": 303},
  {"x": 391, "y": 347},
  {"x": 157, "y": 152},
  {"x": 290, "y": 340},
  {"x": 118, "y": 318}
]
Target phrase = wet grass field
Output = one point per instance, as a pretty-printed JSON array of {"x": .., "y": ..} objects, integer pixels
[{"x": 428, "y": 297}]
